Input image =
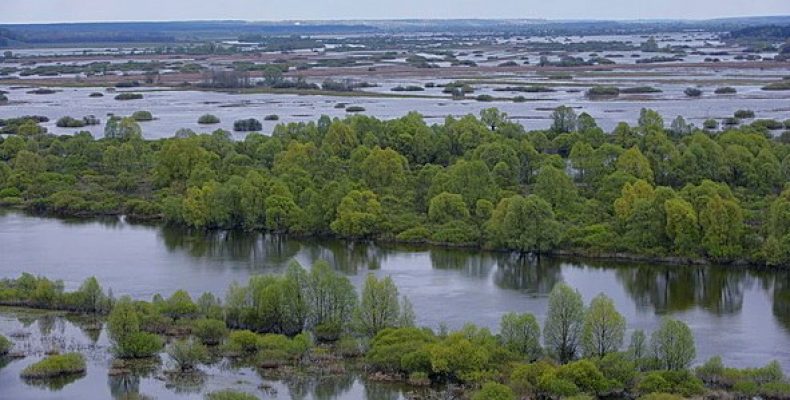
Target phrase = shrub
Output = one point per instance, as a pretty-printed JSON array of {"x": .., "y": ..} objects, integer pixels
[
  {"x": 55, "y": 365},
  {"x": 229, "y": 395},
  {"x": 96, "y": 94},
  {"x": 743, "y": 114},
  {"x": 494, "y": 391},
  {"x": 207, "y": 119},
  {"x": 392, "y": 345},
  {"x": 355, "y": 109},
  {"x": 410, "y": 88},
  {"x": 69, "y": 122},
  {"x": 328, "y": 331},
  {"x": 247, "y": 125},
  {"x": 484, "y": 97},
  {"x": 676, "y": 382},
  {"x": 243, "y": 341},
  {"x": 271, "y": 117},
  {"x": 603, "y": 91},
  {"x": 128, "y": 96},
  {"x": 692, "y": 92},
  {"x": 585, "y": 375},
  {"x": 552, "y": 385},
  {"x": 5, "y": 345},
  {"x": 770, "y": 124},
  {"x": 142, "y": 116},
  {"x": 710, "y": 124},
  {"x": 725, "y": 90},
  {"x": 138, "y": 345},
  {"x": 640, "y": 89},
  {"x": 187, "y": 354},
  {"x": 209, "y": 331},
  {"x": 417, "y": 234}
]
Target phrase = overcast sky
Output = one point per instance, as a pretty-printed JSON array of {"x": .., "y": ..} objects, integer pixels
[{"x": 26, "y": 11}]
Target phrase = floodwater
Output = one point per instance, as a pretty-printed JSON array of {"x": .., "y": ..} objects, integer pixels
[
  {"x": 738, "y": 313},
  {"x": 175, "y": 109},
  {"x": 36, "y": 333}
]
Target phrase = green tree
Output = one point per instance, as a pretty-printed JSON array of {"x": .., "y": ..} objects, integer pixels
[
  {"x": 722, "y": 228},
  {"x": 565, "y": 120},
  {"x": 520, "y": 333},
  {"x": 673, "y": 345},
  {"x": 378, "y": 307},
  {"x": 446, "y": 207},
  {"x": 682, "y": 226},
  {"x": 603, "y": 329},
  {"x": 564, "y": 320},
  {"x": 122, "y": 128},
  {"x": 358, "y": 215},
  {"x": 524, "y": 224}
]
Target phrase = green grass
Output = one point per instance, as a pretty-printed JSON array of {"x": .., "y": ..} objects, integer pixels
[{"x": 56, "y": 365}]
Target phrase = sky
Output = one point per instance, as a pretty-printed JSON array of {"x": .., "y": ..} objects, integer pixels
[{"x": 39, "y": 11}]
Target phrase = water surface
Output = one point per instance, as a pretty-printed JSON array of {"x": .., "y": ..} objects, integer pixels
[{"x": 742, "y": 314}]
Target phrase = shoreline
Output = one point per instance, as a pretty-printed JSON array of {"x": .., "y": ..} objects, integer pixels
[{"x": 620, "y": 257}]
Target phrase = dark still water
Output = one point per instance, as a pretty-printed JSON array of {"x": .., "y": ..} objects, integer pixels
[{"x": 742, "y": 314}]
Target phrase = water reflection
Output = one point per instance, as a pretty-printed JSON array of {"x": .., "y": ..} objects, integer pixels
[
  {"x": 668, "y": 289},
  {"x": 446, "y": 285}
]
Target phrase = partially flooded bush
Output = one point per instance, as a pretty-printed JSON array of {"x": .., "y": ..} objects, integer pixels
[
  {"x": 209, "y": 331},
  {"x": 55, "y": 365}
]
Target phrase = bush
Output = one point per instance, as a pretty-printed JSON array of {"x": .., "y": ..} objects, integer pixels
[
  {"x": 55, "y": 365},
  {"x": 494, "y": 391},
  {"x": 128, "y": 96},
  {"x": 484, "y": 97},
  {"x": 207, "y": 119},
  {"x": 710, "y": 124},
  {"x": 417, "y": 234},
  {"x": 69, "y": 122},
  {"x": 725, "y": 90},
  {"x": 355, "y": 109},
  {"x": 640, "y": 89},
  {"x": 142, "y": 116},
  {"x": 5, "y": 345},
  {"x": 392, "y": 347},
  {"x": 692, "y": 92},
  {"x": 770, "y": 124},
  {"x": 603, "y": 91},
  {"x": 209, "y": 331},
  {"x": 271, "y": 117},
  {"x": 408, "y": 88},
  {"x": 138, "y": 345},
  {"x": 243, "y": 341},
  {"x": 247, "y": 125},
  {"x": 96, "y": 94},
  {"x": 744, "y": 114},
  {"x": 229, "y": 395},
  {"x": 585, "y": 375},
  {"x": 675, "y": 382},
  {"x": 187, "y": 354},
  {"x": 328, "y": 331}
]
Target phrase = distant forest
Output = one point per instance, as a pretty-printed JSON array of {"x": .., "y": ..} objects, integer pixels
[{"x": 17, "y": 35}]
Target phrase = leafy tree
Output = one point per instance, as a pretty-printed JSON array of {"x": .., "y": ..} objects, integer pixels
[
  {"x": 603, "y": 329},
  {"x": 524, "y": 224},
  {"x": 378, "y": 307},
  {"x": 358, "y": 215},
  {"x": 493, "y": 118},
  {"x": 122, "y": 128},
  {"x": 673, "y": 345},
  {"x": 520, "y": 333},
  {"x": 446, "y": 207},
  {"x": 722, "y": 228},
  {"x": 565, "y": 120},
  {"x": 494, "y": 391},
  {"x": 563, "y": 327}
]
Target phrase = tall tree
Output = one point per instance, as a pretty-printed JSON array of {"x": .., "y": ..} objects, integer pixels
[
  {"x": 604, "y": 328},
  {"x": 563, "y": 326}
]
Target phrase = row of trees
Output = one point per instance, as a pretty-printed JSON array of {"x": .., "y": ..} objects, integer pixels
[{"x": 645, "y": 189}]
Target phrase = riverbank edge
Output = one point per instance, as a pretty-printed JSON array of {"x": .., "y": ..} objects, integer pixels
[{"x": 566, "y": 253}]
